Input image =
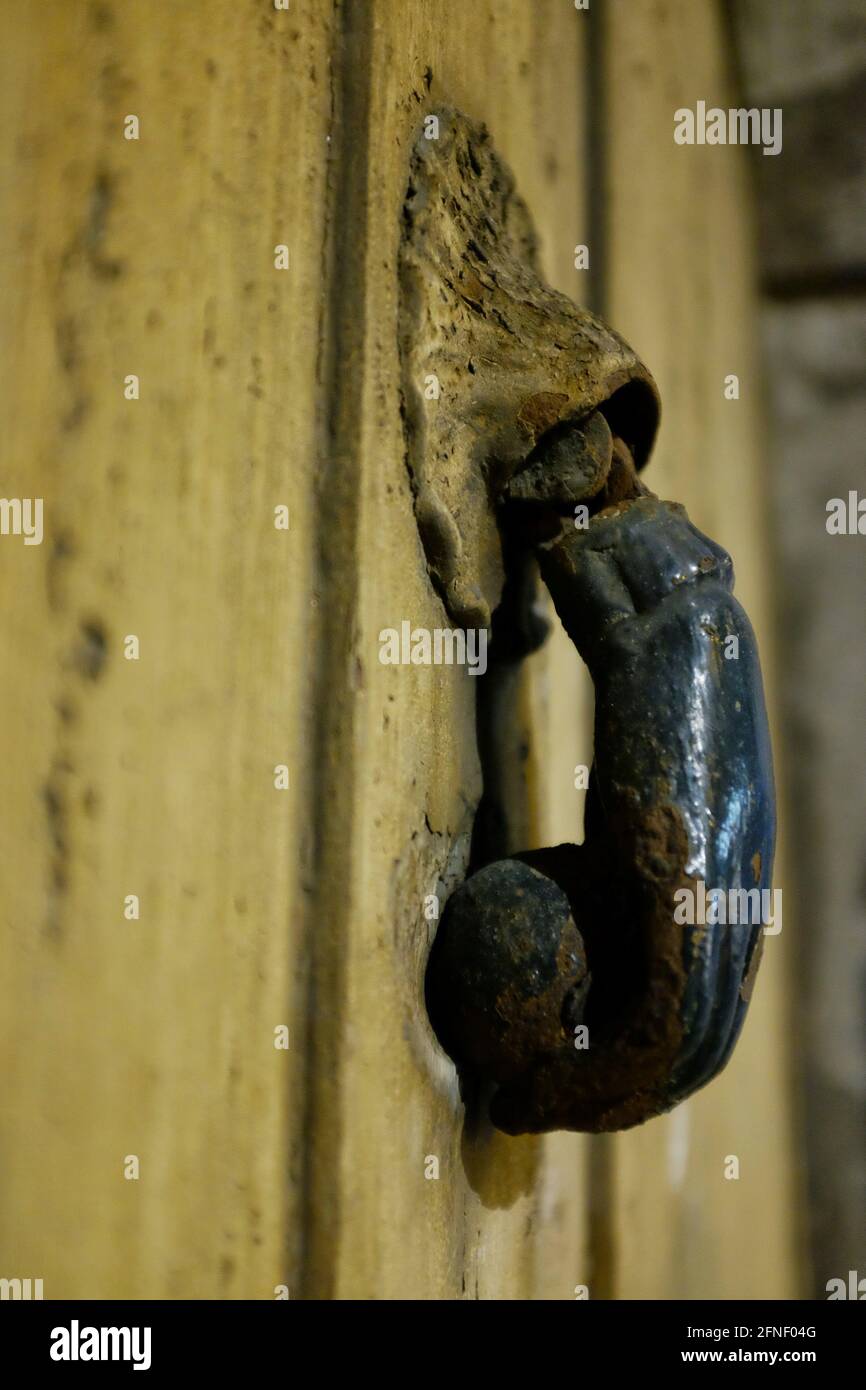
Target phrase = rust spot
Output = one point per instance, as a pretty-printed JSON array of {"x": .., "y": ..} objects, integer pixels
[
  {"x": 658, "y": 847},
  {"x": 751, "y": 974},
  {"x": 540, "y": 412}
]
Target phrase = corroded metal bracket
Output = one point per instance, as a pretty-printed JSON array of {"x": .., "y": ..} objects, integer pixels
[{"x": 542, "y": 409}]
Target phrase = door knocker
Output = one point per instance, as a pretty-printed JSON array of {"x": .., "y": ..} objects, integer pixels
[{"x": 550, "y": 412}]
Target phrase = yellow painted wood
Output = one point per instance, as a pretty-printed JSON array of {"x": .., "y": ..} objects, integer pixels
[
  {"x": 258, "y": 907},
  {"x": 504, "y": 1219},
  {"x": 680, "y": 287},
  {"x": 306, "y": 907},
  {"x": 155, "y": 777}
]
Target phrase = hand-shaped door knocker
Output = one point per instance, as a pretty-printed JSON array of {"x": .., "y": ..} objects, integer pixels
[{"x": 596, "y": 941}]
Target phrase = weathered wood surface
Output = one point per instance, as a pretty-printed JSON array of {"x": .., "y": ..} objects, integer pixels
[{"x": 259, "y": 647}]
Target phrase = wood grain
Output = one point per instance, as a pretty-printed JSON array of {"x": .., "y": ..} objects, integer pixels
[{"x": 259, "y": 647}]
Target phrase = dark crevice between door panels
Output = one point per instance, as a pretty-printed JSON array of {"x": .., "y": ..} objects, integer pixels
[{"x": 331, "y": 803}]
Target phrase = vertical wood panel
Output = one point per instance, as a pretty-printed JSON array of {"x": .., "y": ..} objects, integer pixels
[
  {"x": 409, "y": 776},
  {"x": 155, "y": 777}
]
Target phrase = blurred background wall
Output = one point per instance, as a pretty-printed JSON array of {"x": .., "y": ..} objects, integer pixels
[{"x": 810, "y": 59}]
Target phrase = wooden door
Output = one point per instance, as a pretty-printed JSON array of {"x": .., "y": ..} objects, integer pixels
[{"x": 230, "y": 827}]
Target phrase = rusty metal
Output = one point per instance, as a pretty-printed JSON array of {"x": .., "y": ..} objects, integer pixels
[
  {"x": 542, "y": 409},
  {"x": 681, "y": 790}
]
